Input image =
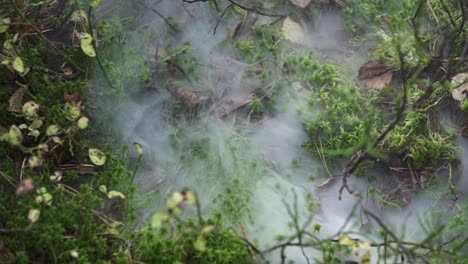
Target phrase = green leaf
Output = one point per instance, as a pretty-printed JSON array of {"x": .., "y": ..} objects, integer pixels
[
  {"x": 366, "y": 258},
  {"x": 18, "y": 65},
  {"x": 83, "y": 122},
  {"x": 103, "y": 188},
  {"x": 4, "y": 24},
  {"x": 158, "y": 219},
  {"x": 36, "y": 123},
  {"x": 14, "y": 136},
  {"x": 200, "y": 244},
  {"x": 175, "y": 200},
  {"x": 97, "y": 157},
  {"x": 115, "y": 194},
  {"x": 73, "y": 110},
  {"x": 52, "y": 130},
  {"x": 86, "y": 41},
  {"x": 30, "y": 108},
  {"x": 79, "y": 16},
  {"x": 96, "y": 3}
]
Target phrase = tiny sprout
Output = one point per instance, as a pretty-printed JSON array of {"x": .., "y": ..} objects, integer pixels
[
  {"x": 52, "y": 130},
  {"x": 30, "y": 109},
  {"x": 23, "y": 126},
  {"x": 35, "y": 161},
  {"x": 25, "y": 186},
  {"x": 33, "y": 215},
  {"x": 97, "y": 157},
  {"x": 56, "y": 177},
  {"x": 83, "y": 122}
]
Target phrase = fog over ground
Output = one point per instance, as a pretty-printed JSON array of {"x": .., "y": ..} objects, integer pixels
[{"x": 267, "y": 156}]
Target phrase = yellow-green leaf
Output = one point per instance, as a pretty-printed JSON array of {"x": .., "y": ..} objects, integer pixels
[
  {"x": 52, "y": 130},
  {"x": 158, "y": 219},
  {"x": 139, "y": 148},
  {"x": 86, "y": 41},
  {"x": 18, "y": 65},
  {"x": 83, "y": 122},
  {"x": 33, "y": 215},
  {"x": 14, "y": 136},
  {"x": 73, "y": 110},
  {"x": 97, "y": 157},
  {"x": 200, "y": 244},
  {"x": 366, "y": 258},
  {"x": 96, "y": 3},
  {"x": 4, "y": 24},
  {"x": 103, "y": 188},
  {"x": 175, "y": 200},
  {"x": 115, "y": 194},
  {"x": 79, "y": 16},
  {"x": 30, "y": 108}
]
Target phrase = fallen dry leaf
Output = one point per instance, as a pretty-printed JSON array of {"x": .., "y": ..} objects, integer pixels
[
  {"x": 375, "y": 75},
  {"x": 188, "y": 97},
  {"x": 301, "y": 3},
  {"x": 16, "y": 100}
]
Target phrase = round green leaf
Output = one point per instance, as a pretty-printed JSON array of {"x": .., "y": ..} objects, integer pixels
[
  {"x": 18, "y": 65},
  {"x": 97, "y": 157},
  {"x": 52, "y": 130},
  {"x": 4, "y": 24},
  {"x": 14, "y": 136},
  {"x": 83, "y": 122},
  {"x": 30, "y": 108}
]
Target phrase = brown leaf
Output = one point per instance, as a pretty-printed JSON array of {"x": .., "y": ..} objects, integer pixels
[
  {"x": 234, "y": 104},
  {"x": 374, "y": 75},
  {"x": 71, "y": 98},
  {"x": 16, "y": 100},
  {"x": 301, "y": 3},
  {"x": 81, "y": 169},
  {"x": 188, "y": 97}
]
